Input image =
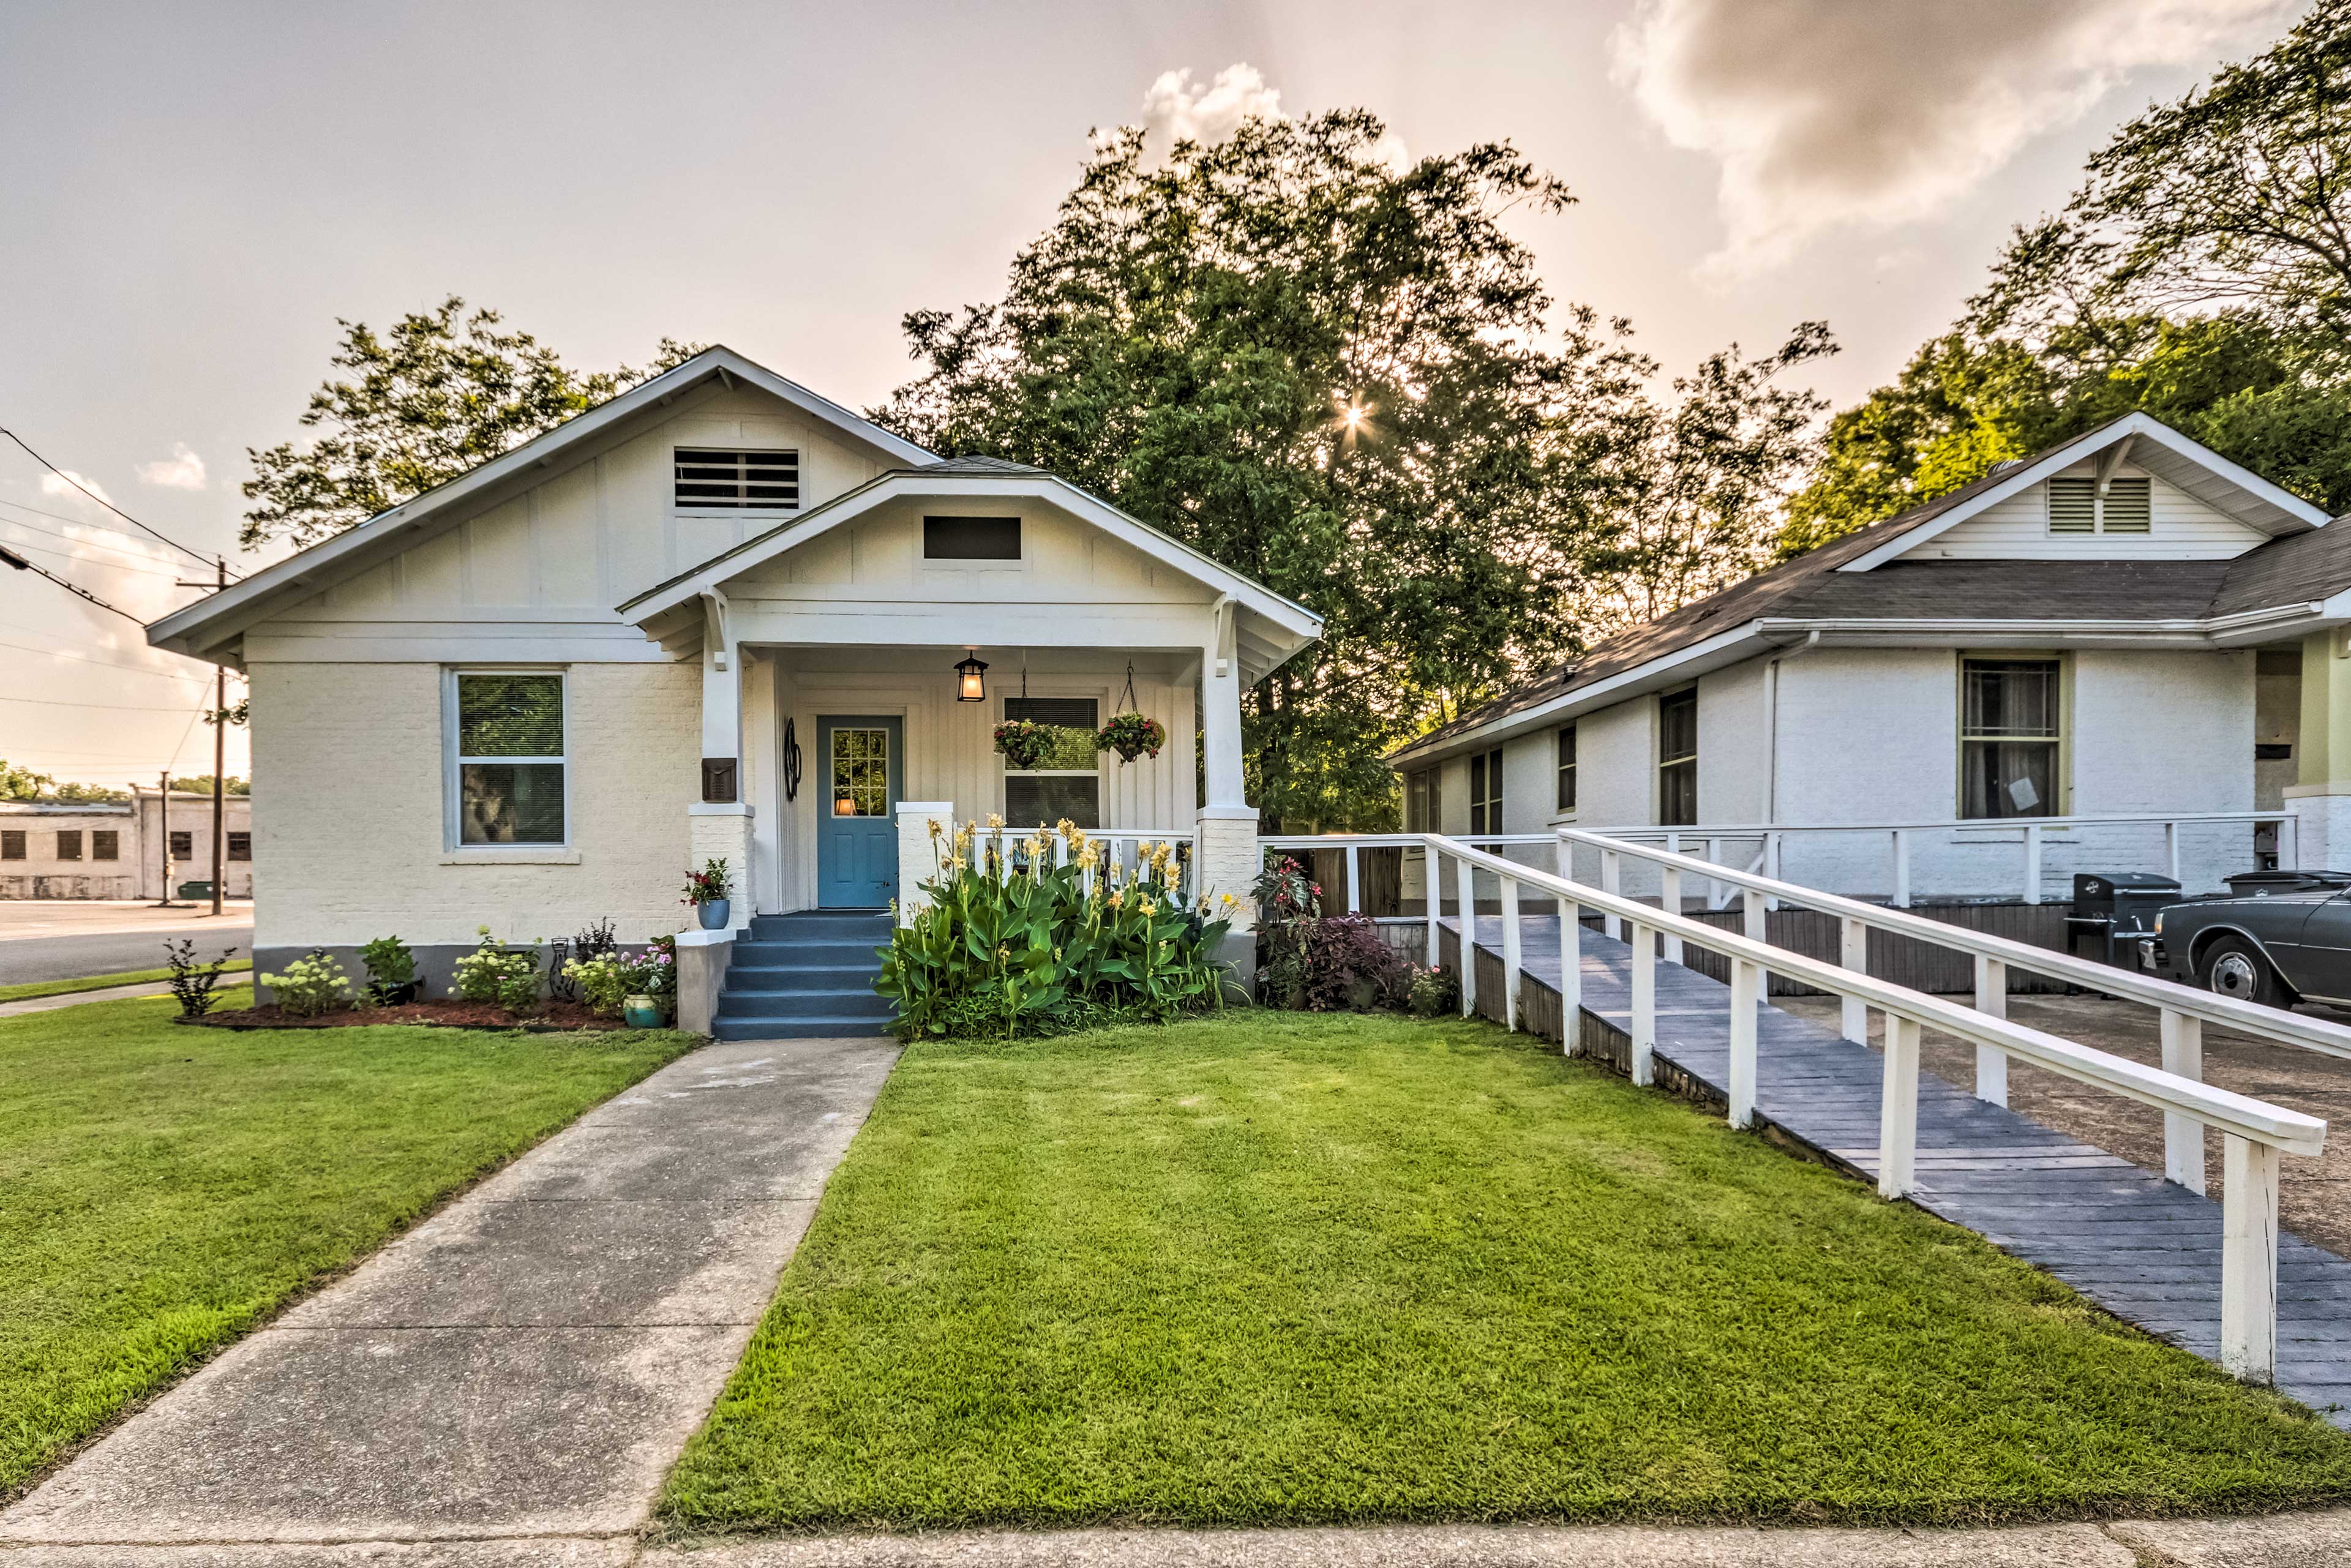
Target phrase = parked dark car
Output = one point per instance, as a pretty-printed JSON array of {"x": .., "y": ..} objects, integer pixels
[{"x": 2277, "y": 938}]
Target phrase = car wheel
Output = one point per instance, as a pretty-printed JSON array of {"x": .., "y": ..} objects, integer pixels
[{"x": 2233, "y": 968}]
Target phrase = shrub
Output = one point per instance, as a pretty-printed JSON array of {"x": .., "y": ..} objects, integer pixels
[
  {"x": 310, "y": 986},
  {"x": 193, "y": 983},
  {"x": 390, "y": 967},
  {"x": 1008, "y": 943},
  {"x": 1435, "y": 992},
  {"x": 1346, "y": 967},
  {"x": 494, "y": 972},
  {"x": 604, "y": 982}
]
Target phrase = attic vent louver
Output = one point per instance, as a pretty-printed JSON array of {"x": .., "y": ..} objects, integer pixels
[{"x": 762, "y": 481}]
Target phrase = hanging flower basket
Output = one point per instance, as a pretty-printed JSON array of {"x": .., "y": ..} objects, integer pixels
[
  {"x": 1130, "y": 736},
  {"x": 1024, "y": 742}
]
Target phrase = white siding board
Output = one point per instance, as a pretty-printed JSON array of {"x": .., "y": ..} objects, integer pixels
[{"x": 2182, "y": 527}]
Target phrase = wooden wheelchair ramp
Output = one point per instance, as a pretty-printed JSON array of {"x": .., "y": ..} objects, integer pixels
[{"x": 2141, "y": 1248}]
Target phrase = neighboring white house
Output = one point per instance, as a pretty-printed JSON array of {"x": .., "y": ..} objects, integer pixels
[
  {"x": 715, "y": 616},
  {"x": 2126, "y": 623},
  {"x": 101, "y": 850}
]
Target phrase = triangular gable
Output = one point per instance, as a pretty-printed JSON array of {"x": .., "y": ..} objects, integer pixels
[
  {"x": 2180, "y": 461},
  {"x": 213, "y": 621},
  {"x": 1269, "y": 627}
]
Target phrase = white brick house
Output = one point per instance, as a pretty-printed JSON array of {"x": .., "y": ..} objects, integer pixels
[
  {"x": 2127, "y": 623},
  {"x": 717, "y": 615}
]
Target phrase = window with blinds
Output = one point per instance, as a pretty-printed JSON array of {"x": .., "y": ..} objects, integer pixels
[
  {"x": 748, "y": 481},
  {"x": 2077, "y": 507}
]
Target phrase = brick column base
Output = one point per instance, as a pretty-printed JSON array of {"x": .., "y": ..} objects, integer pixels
[
  {"x": 722, "y": 832},
  {"x": 1226, "y": 860},
  {"x": 917, "y": 856}
]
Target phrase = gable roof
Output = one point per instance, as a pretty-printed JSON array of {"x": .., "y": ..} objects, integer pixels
[
  {"x": 211, "y": 621},
  {"x": 1866, "y": 577},
  {"x": 1270, "y": 629},
  {"x": 2180, "y": 461}
]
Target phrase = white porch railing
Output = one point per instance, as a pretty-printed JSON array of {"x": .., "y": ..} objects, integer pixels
[
  {"x": 2255, "y": 1134},
  {"x": 1119, "y": 847},
  {"x": 1902, "y": 838}
]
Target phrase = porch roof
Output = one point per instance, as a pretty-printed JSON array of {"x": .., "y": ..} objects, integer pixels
[{"x": 1268, "y": 629}]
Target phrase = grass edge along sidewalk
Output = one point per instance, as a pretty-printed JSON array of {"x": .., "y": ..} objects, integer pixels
[
  {"x": 31, "y": 990},
  {"x": 164, "y": 1190},
  {"x": 1274, "y": 1269}
]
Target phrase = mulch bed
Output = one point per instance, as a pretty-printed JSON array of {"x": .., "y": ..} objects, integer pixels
[{"x": 552, "y": 1018}]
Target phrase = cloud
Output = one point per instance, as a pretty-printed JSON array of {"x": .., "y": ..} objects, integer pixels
[
  {"x": 1174, "y": 110},
  {"x": 1825, "y": 113},
  {"x": 184, "y": 470},
  {"x": 67, "y": 486}
]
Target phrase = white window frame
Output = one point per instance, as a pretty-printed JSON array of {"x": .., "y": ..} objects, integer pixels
[
  {"x": 1488, "y": 803},
  {"x": 800, "y": 470},
  {"x": 2061, "y": 745},
  {"x": 452, "y": 844},
  {"x": 1005, "y": 771}
]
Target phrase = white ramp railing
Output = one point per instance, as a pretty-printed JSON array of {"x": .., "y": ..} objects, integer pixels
[
  {"x": 2254, "y": 1133},
  {"x": 1900, "y": 841}
]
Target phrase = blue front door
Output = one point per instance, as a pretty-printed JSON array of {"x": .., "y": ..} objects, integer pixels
[{"x": 857, "y": 832}]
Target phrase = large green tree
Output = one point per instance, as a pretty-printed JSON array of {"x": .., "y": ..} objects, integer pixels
[
  {"x": 1344, "y": 378},
  {"x": 2202, "y": 273},
  {"x": 441, "y": 392}
]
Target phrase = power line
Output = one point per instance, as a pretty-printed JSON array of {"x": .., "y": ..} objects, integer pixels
[
  {"x": 192, "y": 555},
  {"x": 69, "y": 555},
  {"x": 11, "y": 557},
  {"x": 108, "y": 663},
  {"x": 110, "y": 707}
]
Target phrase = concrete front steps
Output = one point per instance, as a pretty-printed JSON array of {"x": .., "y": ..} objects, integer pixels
[{"x": 806, "y": 977}]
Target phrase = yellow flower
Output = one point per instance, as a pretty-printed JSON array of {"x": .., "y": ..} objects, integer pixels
[
  {"x": 1087, "y": 857},
  {"x": 936, "y": 829},
  {"x": 1231, "y": 903},
  {"x": 1115, "y": 898},
  {"x": 1146, "y": 908},
  {"x": 994, "y": 820}
]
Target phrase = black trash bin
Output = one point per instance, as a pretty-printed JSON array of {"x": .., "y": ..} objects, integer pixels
[{"x": 2113, "y": 909}]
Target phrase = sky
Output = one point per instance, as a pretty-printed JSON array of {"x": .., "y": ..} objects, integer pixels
[{"x": 194, "y": 194}]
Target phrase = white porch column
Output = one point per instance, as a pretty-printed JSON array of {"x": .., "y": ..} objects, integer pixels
[
  {"x": 720, "y": 824},
  {"x": 917, "y": 854},
  {"x": 1226, "y": 858}
]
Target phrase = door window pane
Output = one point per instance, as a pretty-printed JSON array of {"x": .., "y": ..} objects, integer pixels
[{"x": 860, "y": 772}]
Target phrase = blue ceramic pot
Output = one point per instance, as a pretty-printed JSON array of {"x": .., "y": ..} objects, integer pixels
[
  {"x": 641, "y": 1012},
  {"x": 714, "y": 914}
]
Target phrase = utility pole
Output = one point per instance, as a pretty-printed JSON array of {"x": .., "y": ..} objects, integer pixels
[
  {"x": 220, "y": 747},
  {"x": 163, "y": 836},
  {"x": 220, "y": 757}
]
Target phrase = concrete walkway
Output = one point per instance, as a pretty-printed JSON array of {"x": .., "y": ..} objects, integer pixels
[
  {"x": 518, "y": 1373},
  {"x": 106, "y": 994}
]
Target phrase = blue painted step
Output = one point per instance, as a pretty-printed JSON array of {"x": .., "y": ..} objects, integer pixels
[{"x": 805, "y": 976}]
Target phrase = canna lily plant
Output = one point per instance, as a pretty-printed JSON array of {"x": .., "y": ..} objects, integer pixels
[{"x": 1018, "y": 932}]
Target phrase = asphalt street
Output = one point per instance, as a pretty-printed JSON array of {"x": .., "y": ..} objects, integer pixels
[{"x": 44, "y": 939}]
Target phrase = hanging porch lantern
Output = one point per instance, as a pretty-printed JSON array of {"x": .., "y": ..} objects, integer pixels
[{"x": 969, "y": 671}]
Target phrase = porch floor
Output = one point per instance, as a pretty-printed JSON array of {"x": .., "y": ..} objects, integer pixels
[{"x": 2139, "y": 1246}]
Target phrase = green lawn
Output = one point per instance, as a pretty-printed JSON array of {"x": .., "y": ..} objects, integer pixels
[
  {"x": 162, "y": 1189},
  {"x": 29, "y": 990},
  {"x": 1272, "y": 1268}
]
